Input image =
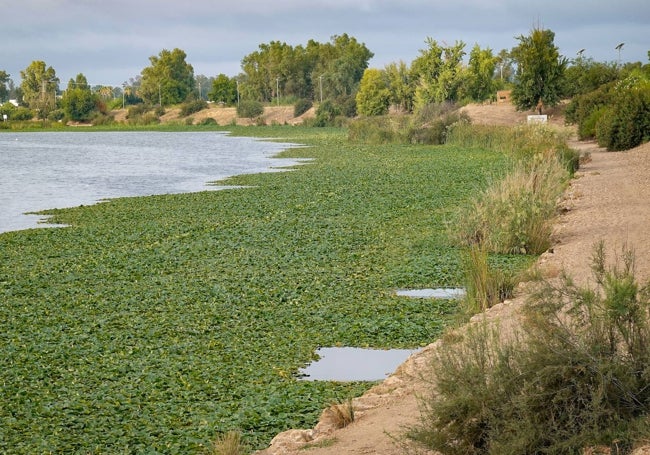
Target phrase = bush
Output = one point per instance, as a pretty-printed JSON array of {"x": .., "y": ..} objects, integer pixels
[
  {"x": 301, "y": 106},
  {"x": 378, "y": 130},
  {"x": 626, "y": 123},
  {"x": 574, "y": 376},
  {"x": 515, "y": 214},
  {"x": 191, "y": 107},
  {"x": 250, "y": 109},
  {"x": 326, "y": 114},
  {"x": 208, "y": 121},
  {"x": 21, "y": 113}
]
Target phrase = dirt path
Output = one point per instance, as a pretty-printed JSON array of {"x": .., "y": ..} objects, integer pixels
[{"x": 608, "y": 200}]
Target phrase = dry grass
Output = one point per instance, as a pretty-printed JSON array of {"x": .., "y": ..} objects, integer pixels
[{"x": 229, "y": 444}]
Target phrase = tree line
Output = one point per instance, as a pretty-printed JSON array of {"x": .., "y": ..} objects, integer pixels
[{"x": 334, "y": 74}]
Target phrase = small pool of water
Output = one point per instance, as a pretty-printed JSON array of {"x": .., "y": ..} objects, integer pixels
[
  {"x": 354, "y": 364},
  {"x": 439, "y": 293}
]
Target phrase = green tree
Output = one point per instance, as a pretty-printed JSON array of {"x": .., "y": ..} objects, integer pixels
[
  {"x": 224, "y": 90},
  {"x": 505, "y": 71},
  {"x": 373, "y": 97},
  {"x": 79, "y": 102},
  {"x": 585, "y": 75},
  {"x": 438, "y": 72},
  {"x": 401, "y": 88},
  {"x": 169, "y": 79},
  {"x": 481, "y": 84},
  {"x": 39, "y": 86},
  {"x": 540, "y": 71},
  {"x": 4, "y": 91}
]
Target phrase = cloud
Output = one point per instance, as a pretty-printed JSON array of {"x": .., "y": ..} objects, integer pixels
[{"x": 111, "y": 41}]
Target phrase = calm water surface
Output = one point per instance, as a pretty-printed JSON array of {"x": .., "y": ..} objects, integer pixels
[{"x": 41, "y": 171}]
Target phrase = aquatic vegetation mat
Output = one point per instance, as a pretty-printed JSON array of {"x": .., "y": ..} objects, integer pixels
[{"x": 155, "y": 324}]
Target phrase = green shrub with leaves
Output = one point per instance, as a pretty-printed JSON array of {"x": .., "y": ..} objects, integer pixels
[
  {"x": 250, "y": 109},
  {"x": 626, "y": 123},
  {"x": 193, "y": 106},
  {"x": 301, "y": 106},
  {"x": 574, "y": 376},
  {"x": 514, "y": 215}
]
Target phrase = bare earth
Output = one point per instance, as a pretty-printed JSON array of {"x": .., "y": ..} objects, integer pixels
[{"x": 609, "y": 200}]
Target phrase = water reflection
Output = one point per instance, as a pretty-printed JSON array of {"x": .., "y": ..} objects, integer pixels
[{"x": 354, "y": 364}]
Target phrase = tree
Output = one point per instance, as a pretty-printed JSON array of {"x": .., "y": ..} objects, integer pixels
[
  {"x": 224, "y": 90},
  {"x": 373, "y": 97},
  {"x": 480, "y": 84},
  {"x": 39, "y": 86},
  {"x": 540, "y": 71},
  {"x": 4, "y": 91},
  {"x": 169, "y": 79},
  {"x": 401, "y": 88},
  {"x": 585, "y": 75},
  {"x": 438, "y": 72},
  {"x": 79, "y": 103}
]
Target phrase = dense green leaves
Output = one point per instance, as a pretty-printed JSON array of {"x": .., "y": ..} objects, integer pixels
[
  {"x": 169, "y": 79},
  {"x": 152, "y": 324},
  {"x": 540, "y": 70}
]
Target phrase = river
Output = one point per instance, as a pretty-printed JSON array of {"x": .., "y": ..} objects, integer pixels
[{"x": 45, "y": 170}]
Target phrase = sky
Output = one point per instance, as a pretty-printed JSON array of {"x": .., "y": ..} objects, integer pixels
[{"x": 111, "y": 41}]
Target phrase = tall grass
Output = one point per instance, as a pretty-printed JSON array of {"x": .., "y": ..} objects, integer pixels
[
  {"x": 515, "y": 214},
  {"x": 575, "y": 375}
]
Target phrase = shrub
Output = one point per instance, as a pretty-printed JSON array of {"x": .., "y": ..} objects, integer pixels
[
  {"x": 208, "y": 121},
  {"x": 191, "y": 107},
  {"x": 21, "y": 113},
  {"x": 250, "y": 109},
  {"x": 626, "y": 123},
  {"x": 301, "y": 106},
  {"x": 514, "y": 215},
  {"x": 326, "y": 114},
  {"x": 378, "y": 130},
  {"x": 574, "y": 376}
]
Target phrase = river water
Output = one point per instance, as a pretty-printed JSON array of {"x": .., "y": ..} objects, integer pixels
[{"x": 41, "y": 171}]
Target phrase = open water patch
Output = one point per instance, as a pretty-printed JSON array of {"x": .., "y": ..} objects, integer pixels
[
  {"x": 354, "y": 364},
  {"x": 438, "y": 293}
]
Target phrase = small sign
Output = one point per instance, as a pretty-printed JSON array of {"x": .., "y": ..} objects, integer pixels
[{"x": 537, "y": 119}]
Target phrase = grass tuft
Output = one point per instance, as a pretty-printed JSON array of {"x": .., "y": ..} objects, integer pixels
[{"x": 230, "y": 443}]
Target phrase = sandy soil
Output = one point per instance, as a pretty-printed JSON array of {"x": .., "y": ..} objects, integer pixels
[
  {"x": 609, "y": 200},
  {"x": 225, "y": 116}
]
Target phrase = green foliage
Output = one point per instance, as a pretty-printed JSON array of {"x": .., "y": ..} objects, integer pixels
[
  {"x": 574, "y": 376},
  {"x": 331, "y": 69},
  {"x": 430, "y": 126},
  {"x": 515, "y": 215},
  {"x": 169, "y": 79},
  {"x": 190, "y": 107},
  {"x": 224, "y": 90},
  {"x": 154, "y": 323},
  {"x": 250, "y": 109},
  {"x": 38, "y": 87},
  {"x": 4, "y": 80},
  {"x": 586, "y": 75},
  {"x": 438, "y": 73},
  {"x": 582, "y": 110},
  {"x": 16, "y": 113},
  {"x": 485, "y": 284},
  {"x": 78, "y": 102},
  {"x": 401, "y": 86},
  {"x": 373, "y": 97},
  {"x": 326, "y": 114},
  {"x": 540, "y": 70},
  {"x": 301, "y": 106},
  {"x": 626, "y": 122},
  {"x": 480, "y": 84}
]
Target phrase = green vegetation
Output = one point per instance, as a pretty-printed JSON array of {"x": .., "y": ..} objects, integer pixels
[
  {"x": 152, "y": 324},
  {"x": 540, "y": 71},
  {"x": 250, "y": 109},
  {"x": 574, "y": 376}
]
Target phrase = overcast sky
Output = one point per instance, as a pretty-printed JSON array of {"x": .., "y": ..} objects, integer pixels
[{"x": 110, "y": 41}]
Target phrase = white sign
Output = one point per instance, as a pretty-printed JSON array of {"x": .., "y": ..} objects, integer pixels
[
  {"x": 4, "y": 117},
  {"x": 537, "y": 119}
]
